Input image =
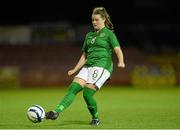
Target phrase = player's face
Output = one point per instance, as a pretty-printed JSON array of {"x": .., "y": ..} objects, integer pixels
[{"x": 97, "y": 21}]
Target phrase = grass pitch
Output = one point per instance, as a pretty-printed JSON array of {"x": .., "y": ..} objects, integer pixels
[{"x": 119, "y": 107}]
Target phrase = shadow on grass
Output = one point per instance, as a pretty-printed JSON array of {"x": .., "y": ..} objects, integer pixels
[
  {"x": 68, "y": 123},
  {"x": 73, "y": 122}
]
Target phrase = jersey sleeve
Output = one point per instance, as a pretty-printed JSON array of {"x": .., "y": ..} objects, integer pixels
[
  {"x": 113, "y": 40},
  {"x": 84, "y": 47}
]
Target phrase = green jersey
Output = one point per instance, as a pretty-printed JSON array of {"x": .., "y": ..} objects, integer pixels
[{"x": 98, "y": 47}]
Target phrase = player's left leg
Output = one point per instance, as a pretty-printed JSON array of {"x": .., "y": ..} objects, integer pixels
[
  {"x": 96, "y": 78},
  {"x": 88, "y": 93}
]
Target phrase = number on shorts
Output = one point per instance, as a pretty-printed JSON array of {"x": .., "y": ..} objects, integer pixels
[{"x": 95, "y": 74}]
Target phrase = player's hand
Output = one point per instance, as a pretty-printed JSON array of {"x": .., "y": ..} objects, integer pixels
[
  {"x": 121, "y": 65},
  {"x": 71, "y": 72}
]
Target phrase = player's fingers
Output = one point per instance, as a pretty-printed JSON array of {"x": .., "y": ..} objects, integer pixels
[
  {"x": 70, "y": 72},
  {"x": 121, "y": 65}
]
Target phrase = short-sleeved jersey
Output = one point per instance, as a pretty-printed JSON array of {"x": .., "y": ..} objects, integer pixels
[{"x": 98, "y": 47}]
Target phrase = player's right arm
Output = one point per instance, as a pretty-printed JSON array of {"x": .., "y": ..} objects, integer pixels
[{"x": 78, "y": 66}]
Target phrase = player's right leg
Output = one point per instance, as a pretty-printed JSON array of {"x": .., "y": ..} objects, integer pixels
[{"x": 75, "y": 87}]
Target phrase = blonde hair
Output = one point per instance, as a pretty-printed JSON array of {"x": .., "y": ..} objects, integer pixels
[{"x": 103, "y": 13}]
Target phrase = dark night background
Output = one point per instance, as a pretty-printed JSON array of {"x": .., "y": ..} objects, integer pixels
[{"x": 121, "y": 11}]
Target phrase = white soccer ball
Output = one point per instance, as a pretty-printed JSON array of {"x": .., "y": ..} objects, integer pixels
[{"x": 36, "y": 114}]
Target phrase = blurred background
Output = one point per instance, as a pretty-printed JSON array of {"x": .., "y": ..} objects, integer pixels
[{"x": 40, "y": 41}]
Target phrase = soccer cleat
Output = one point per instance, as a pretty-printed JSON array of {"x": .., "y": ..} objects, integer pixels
[
  {"x": 95, "y": 122},
  {"x": 52, "y": 115}
]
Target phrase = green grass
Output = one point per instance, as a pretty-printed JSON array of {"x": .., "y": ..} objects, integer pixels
[{"x": 118, "y": 107}]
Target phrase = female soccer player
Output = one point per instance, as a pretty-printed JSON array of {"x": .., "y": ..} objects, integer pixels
[{"x": 95, "y": 65}]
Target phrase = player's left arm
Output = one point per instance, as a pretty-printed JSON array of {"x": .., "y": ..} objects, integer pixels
[
  {"x": 115, "y": 44},
  {"x": 120, "y": 56}
]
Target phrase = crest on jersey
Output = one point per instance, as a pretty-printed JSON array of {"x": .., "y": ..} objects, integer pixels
[{"x": 102, "y": 34}]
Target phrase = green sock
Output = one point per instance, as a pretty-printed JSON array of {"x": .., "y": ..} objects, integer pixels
[
  {"x": 90, "y": 101},
  {"x": 74, "y": 88}
]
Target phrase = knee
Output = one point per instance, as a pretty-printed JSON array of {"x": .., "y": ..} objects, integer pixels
[
  {"x": 85, "y": 94},
  {"x": 75, "y": 88},
  {"x": 88, "y": 93}
]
